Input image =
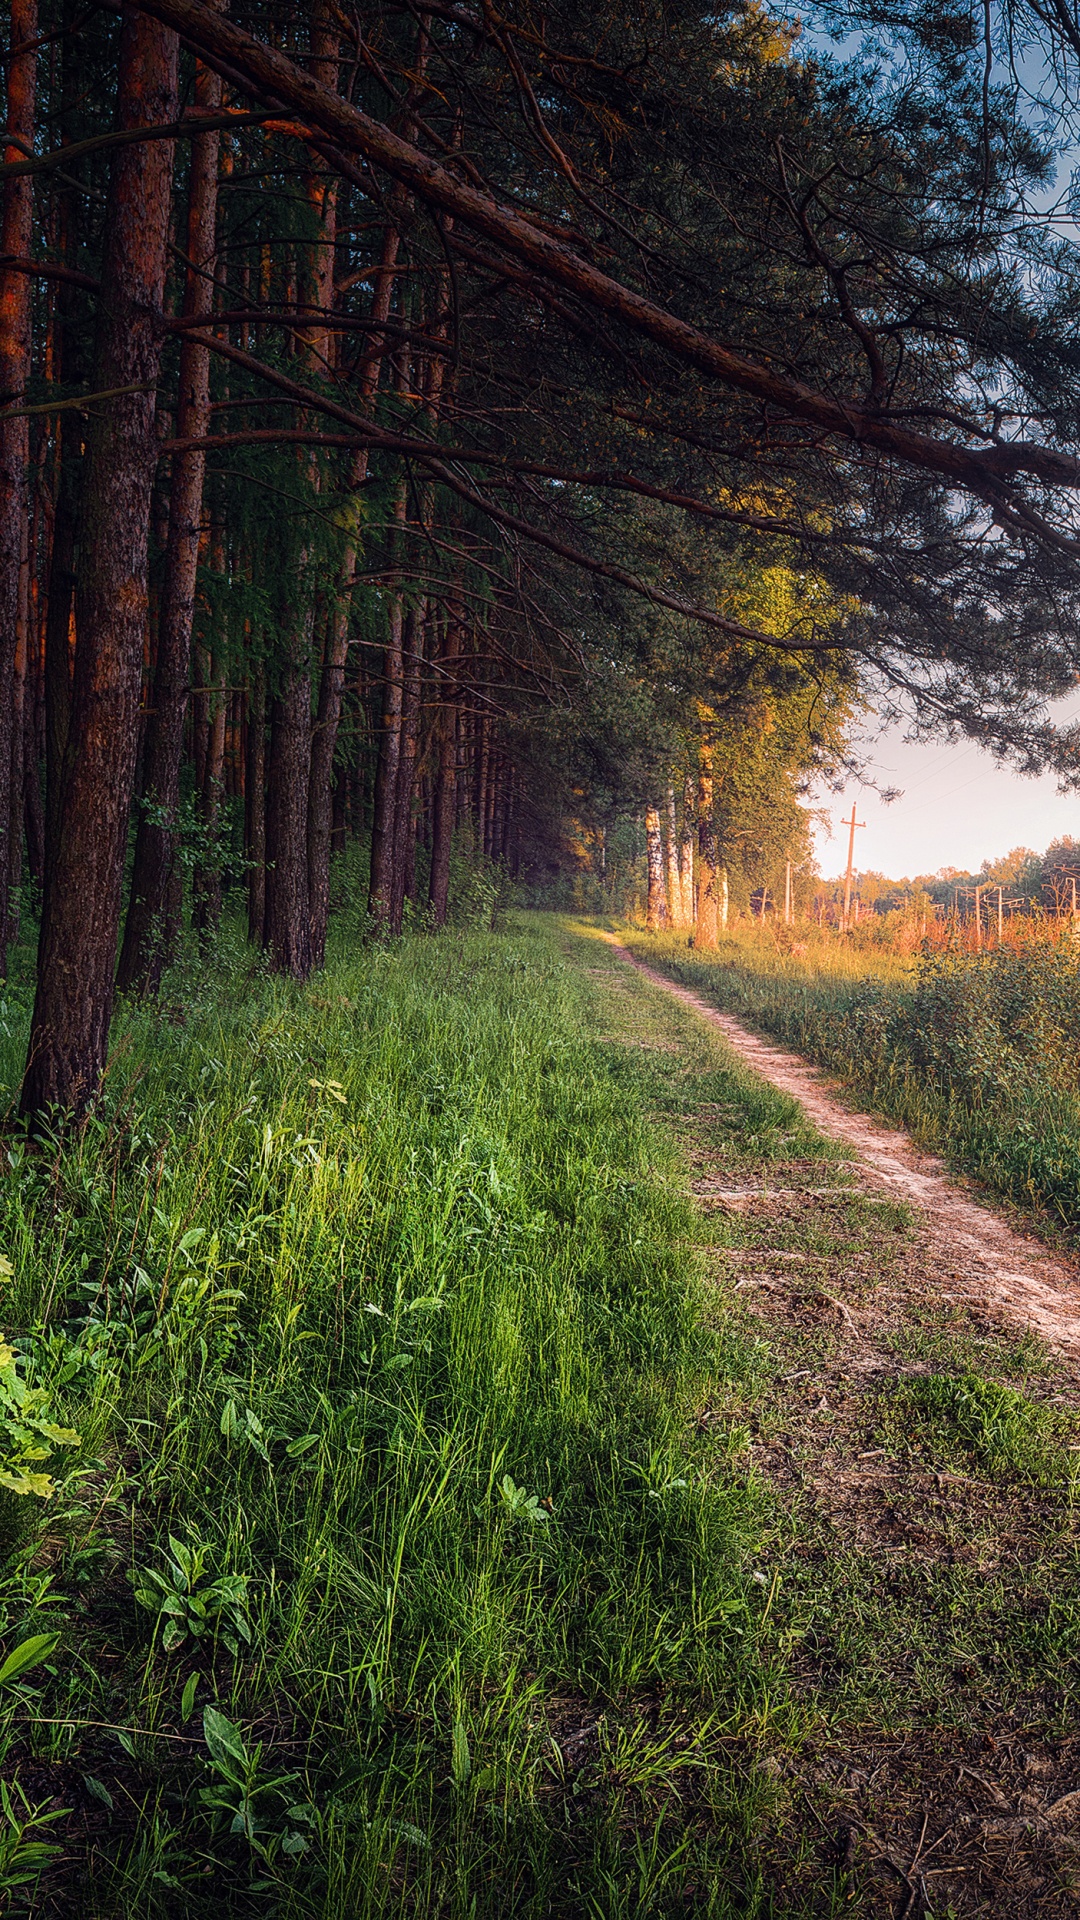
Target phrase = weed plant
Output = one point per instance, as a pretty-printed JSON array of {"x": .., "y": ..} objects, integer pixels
[
  {"x": 376, "y": 1309},
  {"x": 976, "y": 1053}
]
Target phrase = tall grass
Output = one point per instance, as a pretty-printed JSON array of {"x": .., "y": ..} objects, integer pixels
[
  {"x": 375, "y": 1306},
  {"x": 977, "y": 1053}
]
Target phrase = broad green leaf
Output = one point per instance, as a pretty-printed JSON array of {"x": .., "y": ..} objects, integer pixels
[
  {"x": 28, "y": 1654},
  {"x": 41, "y": 1484},
  {"x": 223, "y": 1740}
]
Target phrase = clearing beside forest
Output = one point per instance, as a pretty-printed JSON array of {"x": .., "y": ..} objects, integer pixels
[{"x": 525, "y": 1469}]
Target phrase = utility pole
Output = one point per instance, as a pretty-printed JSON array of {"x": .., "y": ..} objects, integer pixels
[
  {"x": 852, "y": 824},
  {"x": 787, "y": 896},
  {"x": 999, "y": 917},
  {"x": 978, "y": 920}
]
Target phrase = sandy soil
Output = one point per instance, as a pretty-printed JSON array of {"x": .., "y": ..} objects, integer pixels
[{"x": 997, "y": 1264}]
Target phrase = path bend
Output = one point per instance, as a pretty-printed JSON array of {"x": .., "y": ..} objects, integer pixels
[{"x": 1036, "y": 1287}]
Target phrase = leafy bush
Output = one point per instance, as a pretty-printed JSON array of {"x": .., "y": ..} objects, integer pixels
[{"x": 28, "y": 1434}]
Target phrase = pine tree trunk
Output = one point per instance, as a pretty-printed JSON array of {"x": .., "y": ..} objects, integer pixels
[
  {"x": 444, "y": 803},
  {"x": 674, "y": 878},
  {"x": 384, "y": 820},
  {"x": 77, "y": 952},
  {"x": 152, "y": 929},
  {"x": 17, "y": 795},
  {"x": 255, "y": 809},
  {"x": 706, "y": 895},
  {"x": 288, "y": 920},
  {"x": 404, "y": 823},
  {"x": 58, "y": 650},
  {"x": 320, "y": 821},
  {"x": 206, "y": 880},
  {"x": 656, "y": 907},
  {"x": 16, "y": 226},
  {"x": 339, "y": 814},
  {"x": 33, "y": 813},
  {"x": 686, "y": 856}
]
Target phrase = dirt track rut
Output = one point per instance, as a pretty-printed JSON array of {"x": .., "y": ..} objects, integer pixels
[{"x": 1035, "y": 1287}]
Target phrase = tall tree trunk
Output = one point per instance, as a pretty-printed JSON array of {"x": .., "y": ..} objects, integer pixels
[
  {"x": 706, "y": 894},
  {"x": 686, "y": 856},
  {"x": 674, "y": 878},
  {"x": 206, "y": 880},
  {"x": 17, "y": 794},
  {"x": 33, "y": 813},
  {"x": 656, "y": 908},
  {"x": 77, "y": 952},
  {"x": 384, "y": 813},
  {"x": 153, "y": 924},
  {"x": 255, "y": 809},
  {"x": 444, "y": 806},
  {"x": 58, "y": 633},
  {"x": 16, "y": 224},
  {"x": 287, "y": 933},
  {"x": 404, "y": 823},
  {"x": 320, "y": 814}
]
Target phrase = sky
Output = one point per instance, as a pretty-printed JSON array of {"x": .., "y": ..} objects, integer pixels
[{"x": 958, "y": 808}]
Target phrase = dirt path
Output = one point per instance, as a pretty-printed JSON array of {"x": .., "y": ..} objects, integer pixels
[{"x": 995, "y": 1262}]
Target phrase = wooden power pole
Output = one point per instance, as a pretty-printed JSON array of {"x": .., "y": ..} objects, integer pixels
[{"x": 851, "y": 824}]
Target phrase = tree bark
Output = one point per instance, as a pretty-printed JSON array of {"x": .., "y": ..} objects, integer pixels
[
  {"x": 444, "y": 806},
  {"x": 320, "y": 816},
  {"x": 674, "y": 877},
  {"x": 384, "y": 812},
  {"x": 287, "y": 934},
  {"x": 404, "y": 824},
  {"x": 206, "y": 879},
  {"x": 16, "y": 793},
  {"x": 16, "y": 223},
  {"x": 255, "y": 809},
  {"x": 77, "y": 951},
  {"x": 58, "y": 624},
  {"x": 686, "y": 856},
  {"x": 152, "y": 929},
  {"x": 706, "y": 890},
  {"x": 656, "y": 906}
]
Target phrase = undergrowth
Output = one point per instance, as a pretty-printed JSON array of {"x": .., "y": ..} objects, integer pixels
[{"x": 375, "y": 1309}]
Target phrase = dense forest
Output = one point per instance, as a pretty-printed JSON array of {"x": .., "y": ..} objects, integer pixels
[{"x": 421, "y": 422}]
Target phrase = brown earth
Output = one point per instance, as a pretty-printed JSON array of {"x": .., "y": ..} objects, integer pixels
[
  {"x": 992, "y": 1259},
  {"x": 941, "y": 1771}
]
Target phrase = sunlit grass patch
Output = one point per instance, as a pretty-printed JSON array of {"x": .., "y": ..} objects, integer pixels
[
  {"x": 975, "y": 1053},
  {"x": 982, "y": 1424}
]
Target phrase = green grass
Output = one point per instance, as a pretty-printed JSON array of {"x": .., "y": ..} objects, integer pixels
[
  {"x": 458, "y": 1526},
  {"x": 380, "y": 1301},
  {"x": 975, "y": 1054}
]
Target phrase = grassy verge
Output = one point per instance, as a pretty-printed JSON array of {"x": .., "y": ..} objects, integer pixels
[
  {"x": 395, "y": 1570},
  {"x": 520, "y": 1473},
  {"x": 975, "y": 1054},
  {"x": 921, "y": 1562}
]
